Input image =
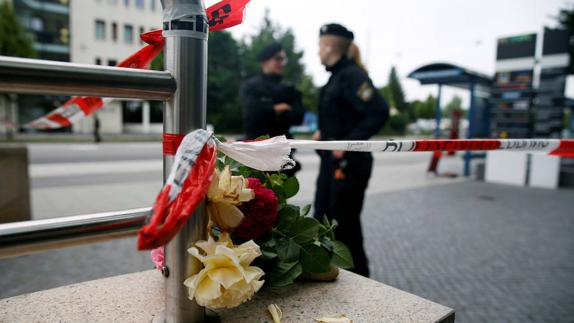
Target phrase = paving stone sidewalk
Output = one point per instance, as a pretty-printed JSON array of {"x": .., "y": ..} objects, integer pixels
[{"x": 494, "y": 253}]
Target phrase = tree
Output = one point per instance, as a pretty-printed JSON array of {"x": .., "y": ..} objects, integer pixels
[
  {"x": 271, "y": 32},
  {"x": 397, "y": 93},
  {"x": 425, "y": 109},
  {"x": 566, "y": 20},
  {"x": 454, "y": 104},
  {"x": 14, "y": 41},
  {"x": 223, "y": 108}
]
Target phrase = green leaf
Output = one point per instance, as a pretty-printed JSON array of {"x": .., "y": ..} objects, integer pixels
[
  {"x": 276, "y": 180},
  {"x": 284, "y": 274},
  {"x": 304, "y": 230},
  {"x": 269, "y": 243},
  {"x": 314, "y": 259},
  {"x": 268, "y": 255},
  {"x": 288, "y": 250},
  {"x": 288, "y": 215},
  {"x": 305, "y": 210},
  {"x": 291, "y": 187},
  {"x": 341, "y": 256},
  {"x": 327, "y": 243}
]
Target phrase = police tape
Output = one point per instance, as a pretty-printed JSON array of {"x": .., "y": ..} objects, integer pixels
[
  {"x": 555, "y": 147},
  {"x": 222, "y": 15},
  {"x": 195, "y": 155}
]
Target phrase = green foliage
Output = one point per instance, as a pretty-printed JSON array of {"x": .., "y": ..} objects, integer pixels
[
  {"x": 157, "y": 63},
  {"x": 271, "y": 32},
  {"x": 14, "y": 41},
  {"x": 298, "y": 244},
  {"x": 398, "y": 124},
  {"x": 566, "y": 20},
  {"x": 396, "y": 91},
  {"x": 425, "y": 109},
  {"x": 223, "y": 107},
  {"x": 454, "y": 104},
  {"x": 310, "y": 93}
]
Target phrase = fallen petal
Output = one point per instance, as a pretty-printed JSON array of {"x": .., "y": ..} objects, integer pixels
[
  {"x": 275, "y": 312},
  {"x": 338, "y": 318}
]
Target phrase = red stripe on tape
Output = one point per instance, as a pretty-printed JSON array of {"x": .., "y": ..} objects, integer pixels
[
  {"x": 453, "y": 145},
  {"x": 565, "y": 149},
  {"x": 56, "y": 117},
  {"x": 171, "y": 142}
]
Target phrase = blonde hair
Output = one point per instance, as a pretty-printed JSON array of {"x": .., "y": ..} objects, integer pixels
[{"x": 354, "y": 54}]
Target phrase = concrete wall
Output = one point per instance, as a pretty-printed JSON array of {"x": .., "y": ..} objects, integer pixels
[{"x": 14, "y": 184}]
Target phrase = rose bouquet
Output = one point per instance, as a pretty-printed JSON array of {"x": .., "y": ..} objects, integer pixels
[{"x": 256, "y": 238}]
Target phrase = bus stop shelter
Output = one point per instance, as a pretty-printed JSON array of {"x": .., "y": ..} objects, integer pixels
[{"x": 456, "y": 76}]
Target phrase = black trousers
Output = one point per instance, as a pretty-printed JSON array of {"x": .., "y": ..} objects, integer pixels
[{"x": 342, "y": 200}]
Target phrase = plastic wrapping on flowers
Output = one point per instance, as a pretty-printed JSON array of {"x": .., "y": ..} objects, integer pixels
[{"x": 258, "y": 239}]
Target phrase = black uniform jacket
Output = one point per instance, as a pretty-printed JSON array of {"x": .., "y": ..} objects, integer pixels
[
  {"x": 258, "y": 95},
  {"x": 350, "y": 107}
]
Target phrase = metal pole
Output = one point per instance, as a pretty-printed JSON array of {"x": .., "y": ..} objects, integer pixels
[
  {"x": 185, "y": 32},
  {"x": 34, "y": 76},
  {"x": 28, "y": 237},
  {"x": 471, "y": 125},
  {"x": 438, "y": 112}
]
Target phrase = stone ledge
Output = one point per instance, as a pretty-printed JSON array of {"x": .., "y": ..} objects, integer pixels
[{"x": 138, "y": 297}]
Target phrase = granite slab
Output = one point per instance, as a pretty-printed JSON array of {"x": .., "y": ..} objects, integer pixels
[{"x": 139, "y": 297}]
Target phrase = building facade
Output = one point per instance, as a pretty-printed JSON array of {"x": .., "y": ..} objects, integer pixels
[
  {"x": 101, "y": 32},
  {"x": 104, "y": 32}
]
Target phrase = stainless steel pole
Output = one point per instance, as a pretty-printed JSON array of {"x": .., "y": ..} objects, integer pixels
[
  {"x": 28, "y": 237},
  {"x": 185, "y": 32},
  {"x": 34, "y": 76}
]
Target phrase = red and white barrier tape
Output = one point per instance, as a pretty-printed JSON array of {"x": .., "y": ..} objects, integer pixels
[
  {"x": 222, "y": 15},
  {"x": 194, "y": 165},
  {"x": 556, "y": 147}
]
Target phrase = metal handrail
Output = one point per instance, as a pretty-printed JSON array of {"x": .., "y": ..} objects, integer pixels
[
  {"x": 33, "y": 76},
  {"x": 185, "y": 110},
  {"x": 28, "y": 237}
]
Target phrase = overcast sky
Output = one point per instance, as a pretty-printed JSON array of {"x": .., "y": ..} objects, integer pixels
[{"x": 408, "y": 33}]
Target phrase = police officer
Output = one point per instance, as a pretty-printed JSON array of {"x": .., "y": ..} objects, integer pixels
[
  {"x": 350, "y": 108},
  {"x": 271, "y": 106}
]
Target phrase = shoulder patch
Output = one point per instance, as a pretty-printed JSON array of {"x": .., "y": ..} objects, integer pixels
[{"x": 365, "y": 92}]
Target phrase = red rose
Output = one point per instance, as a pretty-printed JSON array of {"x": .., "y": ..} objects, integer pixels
[{"x": 260, "y": 213}]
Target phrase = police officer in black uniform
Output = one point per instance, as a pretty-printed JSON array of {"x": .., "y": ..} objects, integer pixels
[
  {"x": 271, "y": 106},
  {"x": 350, "y": 108}
]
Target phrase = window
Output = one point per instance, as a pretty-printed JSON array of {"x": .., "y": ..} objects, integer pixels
[
  {"x": 112, "y": 62},
  {"x": 114, "y": 31},
  {"x": 127, "y": 3},
  {"x": 152, "y": 5},
  {"x": 142, "y": 30},
  {"x": 98, "y": 61},
  {"x": 140, "y": 4},
  {"x": 128, "y": 34},
  {"x": 37, "y": 24},
  {"x": 100, "y": 29}
]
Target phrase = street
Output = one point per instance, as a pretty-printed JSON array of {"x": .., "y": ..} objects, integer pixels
[{"x": 494, "y": 253}]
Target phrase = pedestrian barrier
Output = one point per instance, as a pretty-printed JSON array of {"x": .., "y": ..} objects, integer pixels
[{"x": 183, "y": 86}]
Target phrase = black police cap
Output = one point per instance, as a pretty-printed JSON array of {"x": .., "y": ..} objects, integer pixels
[
  {"x": 269, "y": 51},
  {"x": 336, "y": 30}
]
